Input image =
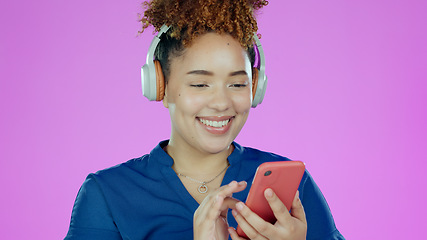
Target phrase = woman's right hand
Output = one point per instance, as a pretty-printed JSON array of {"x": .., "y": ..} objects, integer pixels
[
  {"x": 210, "y": 218},
  {"x": 289, "y": 226}
]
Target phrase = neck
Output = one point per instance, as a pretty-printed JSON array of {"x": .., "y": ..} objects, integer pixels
[{"x": 193, "y": 162}]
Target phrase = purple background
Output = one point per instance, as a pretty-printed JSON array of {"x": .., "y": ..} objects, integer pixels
[{"x": 346, "y": 94}]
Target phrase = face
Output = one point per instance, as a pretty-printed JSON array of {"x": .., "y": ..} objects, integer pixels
[{"x": 209, "y": 94}]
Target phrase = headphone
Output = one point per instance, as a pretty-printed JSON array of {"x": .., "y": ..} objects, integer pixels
[{"x": 153, "y": 80}]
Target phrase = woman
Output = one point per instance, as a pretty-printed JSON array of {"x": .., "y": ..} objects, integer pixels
[{"x": 187, "y": 185}]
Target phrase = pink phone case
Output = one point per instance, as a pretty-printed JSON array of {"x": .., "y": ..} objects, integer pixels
[{"x": 283, "y": 177}]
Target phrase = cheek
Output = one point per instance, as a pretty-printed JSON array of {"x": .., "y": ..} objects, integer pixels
[
  {"x": 190, "y": 104},
  {"x": 242, "y": 103}
]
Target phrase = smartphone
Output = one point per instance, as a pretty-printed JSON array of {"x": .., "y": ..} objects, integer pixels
[{"x": 283, "y": 178}]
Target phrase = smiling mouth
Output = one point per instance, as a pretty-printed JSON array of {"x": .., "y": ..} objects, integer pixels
[{"x": 215, "y": 124}]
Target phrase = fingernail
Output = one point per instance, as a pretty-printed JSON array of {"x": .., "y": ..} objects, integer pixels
[
  {"x": 242, "y": 183},
  {"x": 239, "y": 206},
  {"x": 234, "y": 212},
  {"x": 269, "y": 193}
]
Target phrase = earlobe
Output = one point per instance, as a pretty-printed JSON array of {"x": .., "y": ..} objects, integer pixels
[{"x": 165, "y": 98}]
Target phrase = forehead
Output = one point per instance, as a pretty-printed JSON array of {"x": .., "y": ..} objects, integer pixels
[{"x": 212, "y": 50}]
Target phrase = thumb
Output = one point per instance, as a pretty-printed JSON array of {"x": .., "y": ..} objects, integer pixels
[
  {"x": 221, "y": 227},
  {"x": 297, "y": 210}
]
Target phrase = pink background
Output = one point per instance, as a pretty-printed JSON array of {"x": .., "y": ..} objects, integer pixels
[{"x": 346, "y": 94}]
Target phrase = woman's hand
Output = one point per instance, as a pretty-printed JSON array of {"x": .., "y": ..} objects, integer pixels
[
  {"x": 210, "y": 218},
  {"x": 288, "y": 225}
]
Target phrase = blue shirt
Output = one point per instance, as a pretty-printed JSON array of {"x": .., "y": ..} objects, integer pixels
[{"x": 143, "y": 198}]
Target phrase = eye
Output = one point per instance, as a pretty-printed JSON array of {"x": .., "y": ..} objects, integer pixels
[
  {"x": 200, "y": 85},
  {"x": 238, "y": 85}
]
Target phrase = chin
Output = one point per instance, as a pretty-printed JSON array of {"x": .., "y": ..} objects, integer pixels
[{"x": 214, "y": 147}]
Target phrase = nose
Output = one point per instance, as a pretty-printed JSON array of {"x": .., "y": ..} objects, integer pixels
[{"x": 220, "y": 99}]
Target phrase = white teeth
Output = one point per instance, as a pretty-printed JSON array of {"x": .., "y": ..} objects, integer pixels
[{"x": 214, "y": 123}]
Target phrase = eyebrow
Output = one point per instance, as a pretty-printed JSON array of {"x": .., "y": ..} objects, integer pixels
[
  {"x": 207, "y": 73},
  {"x": 237, "y": 73},
  {"x": 201, "y": 72}
]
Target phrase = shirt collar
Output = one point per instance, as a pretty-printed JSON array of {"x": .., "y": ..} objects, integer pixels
[{"x": 160, "y": 154}]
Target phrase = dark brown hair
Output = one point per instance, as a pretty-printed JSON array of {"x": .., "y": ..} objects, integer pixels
[{"x": 191, "y": 18}]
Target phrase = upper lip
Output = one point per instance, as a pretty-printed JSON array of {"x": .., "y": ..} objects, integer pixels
[{"x": 216, "y": 118}]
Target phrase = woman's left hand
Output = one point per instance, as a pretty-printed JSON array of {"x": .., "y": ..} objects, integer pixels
[{"x": 288, "y": 225}]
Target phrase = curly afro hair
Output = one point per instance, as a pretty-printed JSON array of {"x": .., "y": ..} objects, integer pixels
[{"x": 191, "y": 18}]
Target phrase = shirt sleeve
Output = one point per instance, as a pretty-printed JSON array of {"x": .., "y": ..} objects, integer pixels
[
  {"x": 91, "y": 217},
  {"x": 320, "y": 223}
]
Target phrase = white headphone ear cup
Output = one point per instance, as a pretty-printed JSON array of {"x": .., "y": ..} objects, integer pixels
[
  {"x": 260, "y": 90},
  {"x": 148, "y": 82},
  {"x": 263, "y": 88}
]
